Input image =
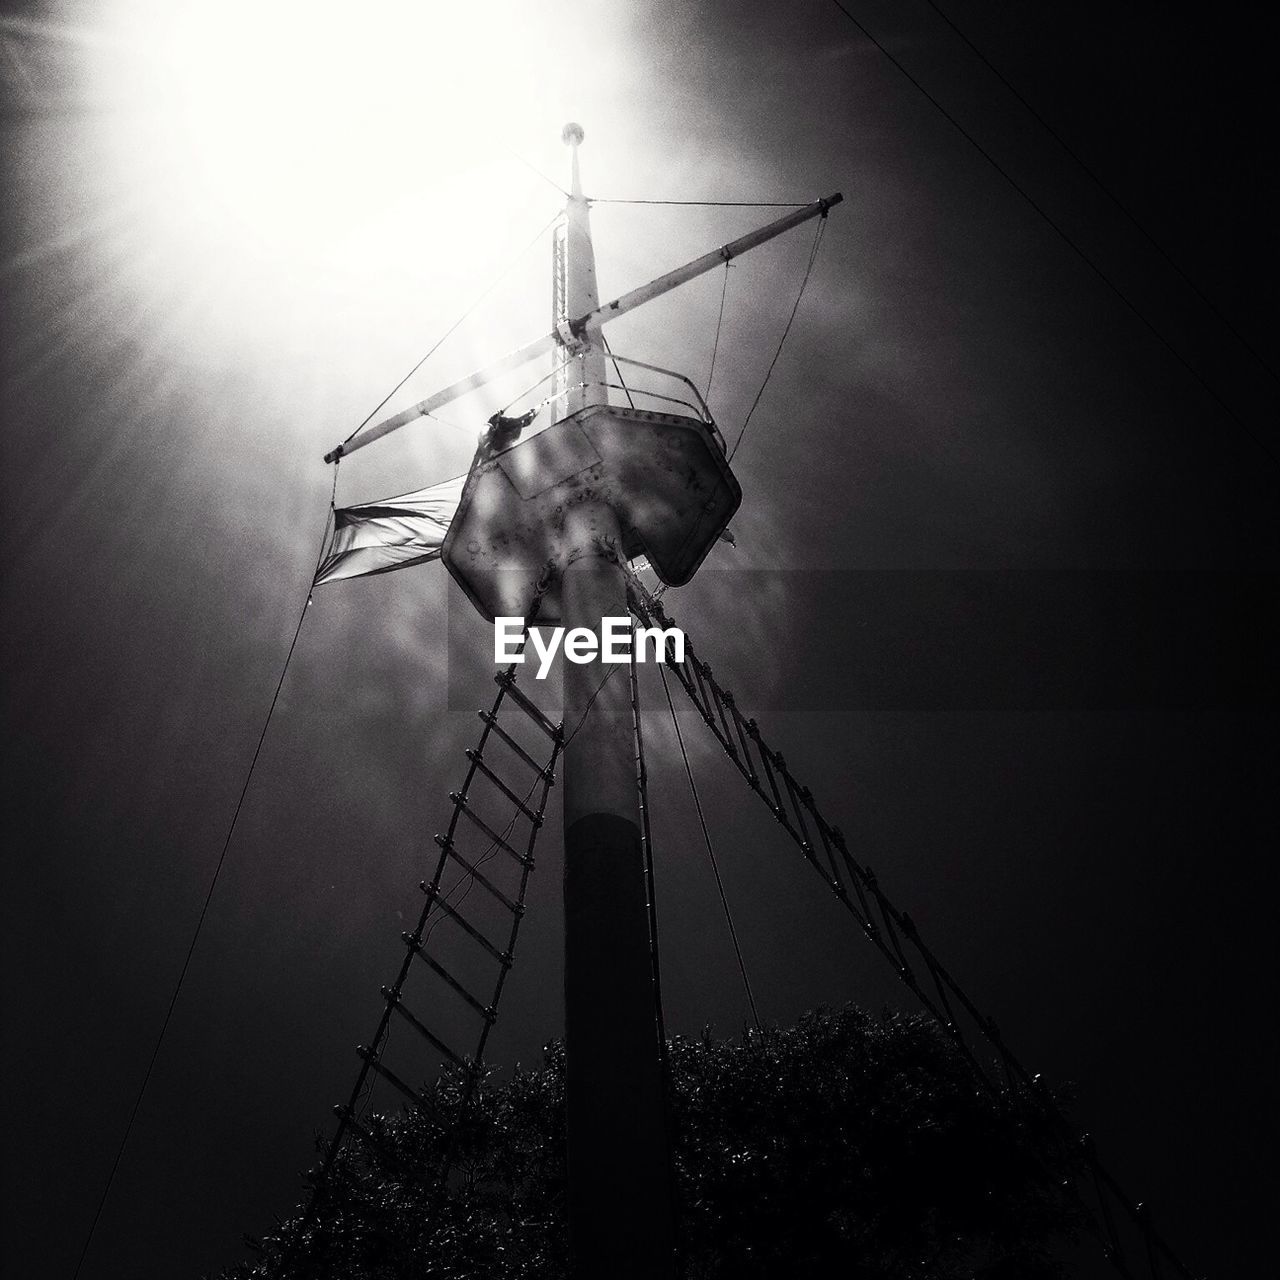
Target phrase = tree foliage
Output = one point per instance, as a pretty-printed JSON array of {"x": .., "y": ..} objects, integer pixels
[{"x": 849, "y": 1145}]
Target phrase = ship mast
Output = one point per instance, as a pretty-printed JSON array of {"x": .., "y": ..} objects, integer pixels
[
  {"x": 620, "y": 1192},
  {"x": 543, "y": 531},
  {"x": 577, "y": 380}
]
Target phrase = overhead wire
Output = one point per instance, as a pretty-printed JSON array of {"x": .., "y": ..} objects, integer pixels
[
  {"x": 651, "y": 904},
  {"x": 208, "y": 897},
  {"x": 617, "y": 368},
  {"x": 813, "y": 255},
  {"x": 1065, "y": 237},
  {"x": 712, "y": 204},
  {"x": 457, "y": 324},
  {"x": 711, "y": 853},
  {"x": 533, "y": 168},
  {"x": 1106, "y": 191},
  {"x": 466, "y": 881},
  {"x": 646, "y": 839},
  {"x": 715, "y": 346}
]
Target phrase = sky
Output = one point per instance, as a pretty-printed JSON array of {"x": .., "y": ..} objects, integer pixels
[{"x": 1000, "y": 590}]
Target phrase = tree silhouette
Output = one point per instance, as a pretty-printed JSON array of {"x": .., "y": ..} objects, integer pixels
[{"x": 849, "y": 1145}]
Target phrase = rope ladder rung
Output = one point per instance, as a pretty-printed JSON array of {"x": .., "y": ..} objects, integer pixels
[
  {"x": 479, "y": 761},
  {"x": 500, "y": 841},
  {"x": 507, "y": 681},
  {"x": 493, "y": 724},
  {"x": 399, "y": 1006},
  {"x": 889, "y": 932}
]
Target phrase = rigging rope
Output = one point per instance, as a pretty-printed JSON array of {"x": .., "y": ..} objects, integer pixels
[
  {"x": 895, "y": 935},
  {"x": 1067, "y": 240},
  {"x": 533, "y": 168},
  {"x": 713, "y": 204},
  {"x": 711, "y": 853},
  {"x": 488, "y": 289},
  {"x": 617, "y": 368},
  {"x": 651, "y": 899},
  {"x": 208, "y": 897},
  {"x": 813, "y": 254},
  {"x": 715, "y": 346},
  {"x": 1106, "y": 191},
  {"x": 467, "y": 879},
  {"x": 642, "y": 792},
  {"x": 466, "y": 882}
]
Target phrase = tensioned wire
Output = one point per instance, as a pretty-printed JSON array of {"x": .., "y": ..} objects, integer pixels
[
  {"x": 1092, "y": 175},
  {"x": 204, "y": 910},
  {"x": 711, "y": 853},
  {"x": 457, "y": 324},
  {"x": 244, "y": 790},
  {"x": 808, "y": 271},
  {"x": 1064, "y": 236},
  {"x": 715, "y": 346},
  {"x": 712, "y": 204},
  {"x": 213, "y": 884}
]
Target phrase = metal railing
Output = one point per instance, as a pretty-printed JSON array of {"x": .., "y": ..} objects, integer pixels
[{"x": 693, "y": 401}]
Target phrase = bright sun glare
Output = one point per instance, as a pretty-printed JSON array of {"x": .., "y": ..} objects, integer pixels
[{"x": 289, "y": 123}]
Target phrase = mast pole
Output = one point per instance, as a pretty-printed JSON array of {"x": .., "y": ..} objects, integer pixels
[
  {"x": 573, "y": 326},
  {"x": 620, "y": 1191}
]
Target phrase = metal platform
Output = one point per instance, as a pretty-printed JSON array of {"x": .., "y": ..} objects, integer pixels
[{"x": 664, "y": 475}]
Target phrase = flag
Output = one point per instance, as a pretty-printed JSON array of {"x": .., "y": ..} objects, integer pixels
[{"x": 392, "y": 534}]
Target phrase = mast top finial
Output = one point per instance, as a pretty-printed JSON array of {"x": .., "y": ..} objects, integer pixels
[{"x": 571, "y": 135}]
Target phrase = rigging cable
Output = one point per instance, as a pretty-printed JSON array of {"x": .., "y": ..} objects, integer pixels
[
  {"x": 468, "y": 880},
  {"x": 1067, "y": 240},
  {"x": 1106, "y": 191},
  {"x": 484, "y": 293},
  {"x": 713, "y": 204},
  {"x": 662, "y": 586},
  {"x": 617, "y": 368},
  {"x": 213, "y": 883},
  {"x": 651, "y": 902},
  {"x": 711, "y": 853},
  {"x": 715, "y": 346},
  {"x": 813, "y": 254},
  {"x": 646, "y": 837},
  {"x": 533, "y": 168}
]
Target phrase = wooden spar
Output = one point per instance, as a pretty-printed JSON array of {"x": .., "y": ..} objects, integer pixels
[
  {"x": 699, "y": 266},
  {"x": 578, "y": 329},
  {"x": 450, "y": 393}
]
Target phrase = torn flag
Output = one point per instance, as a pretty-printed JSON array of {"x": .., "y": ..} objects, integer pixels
[{"x": 391, "y": 534}]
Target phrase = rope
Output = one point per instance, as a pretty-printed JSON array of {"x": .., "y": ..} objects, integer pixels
[
  {"x": 208, "y": 897},
  {"x": 492, "y": 850},
  {"x": 714, "y": 204},
  {"x": 617, "y": 368},
  {"x": 813, "y": 254},
  {"x": 711, "y": 853},
  {"x": 642, "y": 791},
  {"x": 715, "y": 346},
  {"x": 533, "y": 168},
  {"x": 1106, "y": 191},
  {"x": 466, "y": 882},
  {"x": 651, "y": 899},
  {"x": 468, "y": 878},
  {"x": 493, "y": 284},
  {"x": 1066, "y": 239}
]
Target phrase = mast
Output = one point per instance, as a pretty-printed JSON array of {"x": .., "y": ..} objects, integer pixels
[
  {"x": 620, "y": 1190},
  {"x": 570, "y": 329},
  {"x": 579, "y": 380},
  {"x": 543, "y": 530}
]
